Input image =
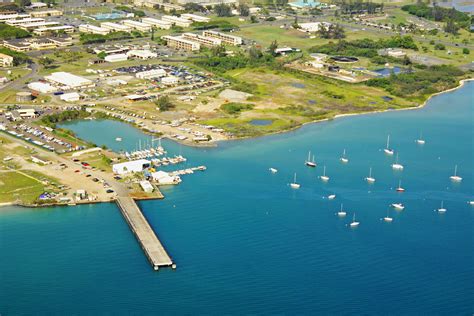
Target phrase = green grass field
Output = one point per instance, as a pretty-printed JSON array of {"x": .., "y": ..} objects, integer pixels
[{"x": 15, "y": 186}]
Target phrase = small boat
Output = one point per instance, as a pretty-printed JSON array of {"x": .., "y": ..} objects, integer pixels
[
  {"x": 370, "y": 179},
  {"x": 354, "y": 223},
  {"x": 324, "y": 177},
  {"x": 118, "y": 139},
  {"x": 387, "y": 149},
  {"x": 294, "y": 185},
  {"x": 396, "y": 165},
  {"x": 309, "y": 162},
  {"x": 343, "y": 159},
  {"x": 420, "y": 141},
  {"x": 341, "y": 212},
  {"x": 400, "y": 189},
  {"x": 455, "y": 177},
  {"x": 398, "y": 206},
  {"x": 331, "y": 197},
  {"x": 471, "y": 202},
  {"x": 273, "y": 170},
  {"x": 387, "y": 218},
  {"x": 442, "y": 209}
]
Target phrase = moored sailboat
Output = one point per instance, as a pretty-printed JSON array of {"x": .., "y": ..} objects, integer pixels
[{"x": 294, "y": 184}]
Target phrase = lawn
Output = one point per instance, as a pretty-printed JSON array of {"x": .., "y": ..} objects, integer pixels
[{"x": 15, "y": 186}]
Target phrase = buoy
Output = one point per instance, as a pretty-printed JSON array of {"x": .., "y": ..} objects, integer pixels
[{"x": 173, "y": 266}]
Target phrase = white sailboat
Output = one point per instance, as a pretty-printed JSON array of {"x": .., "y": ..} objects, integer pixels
[
  {"x": 400, "y": 189},
  {"x": 354, "y": 223},
  {"x": 370, "y": 179},
  {"x": 343, "y": 159},
  {"x": 294, "y": 185},
  {"x": 273, "y": 170},
  {"x": 309, "y": 162},
  {"x": 455, "y": 177},
  {"x": 324, "y": 177},
  {"x": 331, "y": 197},
  {"x": 420, "y": 141},
  {"x": 396, "y": 165},
  {"x": 471, "y": 202},
  {"x": 118, "y": 139},
  {"x": 387, "y": 149},
  {"x": 341, "y": 213},
  {"x": 442, "y": 209},
  {"x": 388, "y": 218},
  {"x": 398, "y": 206}
]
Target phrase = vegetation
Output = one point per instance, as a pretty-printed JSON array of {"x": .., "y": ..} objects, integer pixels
[
  {"x": 244, "y": 10},
  {"x": 235, "y": 108},
  {"x": 333, "y": 31},
  {"x": 97, "y": 38},
  {"x": 18, "y": 57},
  {"x": 364, "y": 47},
  {"x": 124, "y": 8},
  {"x": 421, "y": 83},
  {"x": 223, "y": 10},
  {"x": 357, "y": 7},
  {"x": 439, "y": 14},
  {"x": 10, "y": 32},
  {"x": 194, "y": 7},
  {"x": 68, "y": 115},
  {"x": 217, "y": 24},
  {"x": 254, "y": 58},
  {"x": 164, "y": 103}
]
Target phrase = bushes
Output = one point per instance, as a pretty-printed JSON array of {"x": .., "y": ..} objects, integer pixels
[
  {"x": 364, "y": 47},
  {"x": 18, "y": 57},
  {"x": 10, "y": 32},
  {"x": 421, "y": 83},
  {"x": 97, "y": 38},
  {"x": 235, "y": 108},
  {"x": 439, "y": 46},
  {"x": 52, "y": 119}
]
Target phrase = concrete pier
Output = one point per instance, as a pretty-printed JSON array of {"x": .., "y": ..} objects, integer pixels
[{"x": 148, "y": 240}]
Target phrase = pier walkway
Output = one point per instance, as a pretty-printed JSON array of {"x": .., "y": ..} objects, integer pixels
[{"x": 147, "y": 238}]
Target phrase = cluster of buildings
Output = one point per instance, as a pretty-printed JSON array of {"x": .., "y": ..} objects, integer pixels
[
  {"x": 145, "y": 25},
  {"x": 37, "y": 43},
  {"x": 35, "y": 22},
  {"x": 178, "y": 4},
  {"x": 209, "y": 38}
]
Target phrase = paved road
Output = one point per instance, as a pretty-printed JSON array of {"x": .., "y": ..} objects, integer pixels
[{"x": 19, "y": 83}]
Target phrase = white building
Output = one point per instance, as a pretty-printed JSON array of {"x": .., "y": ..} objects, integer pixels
[
  {"x": 312, "y": 27},
  {"x": 115, "y": 27},
  {"x": 151, "y": 74},
  {"x": 70, "y": 97},
  {"x": 178, "y": 42},
  {"x": 54, "y": 29},
  {"x": 37, "y": 25},
  {"x": 177, "y": 21},
  {"x": 195, "y": 18},
  {"x": 88, "y": 28},
  {"x": 131, "y": 166},
  {"x": 67, "y": 81},
  {"x": 23, "y": 21},
  {"x": 141, "y": 54},
  {"x": 146, "y": 186},
  {"x": 42, "y": 87},
  {"x": 139, "y": 26},
  {"x": 116, "y": 58},
  {"x": 170, "y": 80},
  {"x": 224, "y": 37},
  {"x": 165, "y": 25},
  {"x": 164, "y": 178},
  {"x": 6, "y": 60},
  {"x": 13, "y": 16}
]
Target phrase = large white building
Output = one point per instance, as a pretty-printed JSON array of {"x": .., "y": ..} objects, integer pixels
[
  {"x": 203, "y": 40},
  {"x": 141, "y": 54},
  {"x": 195, "y": 18},
  {"x": 23, "y": 21},
  {"x": 224, "y": 37},
  {"x": 312, "y": 27},
  {"x": 177, "y": 20},
  {"x": 54, "y": 29},
  {"x": 178, "y": 42},
  {"x": 115, "y": 27},
  {"x": 131, "y": 166},
  {"x": 151, "y": 74},
  {"x": 88, "y": 28},
  {"x": 139, "y": 26},
  {"x": 67, "y": 81},
  {"x": 116, "y": 58},
  {"x": 165, "y": 25}
]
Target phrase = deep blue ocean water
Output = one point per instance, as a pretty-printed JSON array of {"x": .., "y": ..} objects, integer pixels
[{"x": 245, "y": 243}]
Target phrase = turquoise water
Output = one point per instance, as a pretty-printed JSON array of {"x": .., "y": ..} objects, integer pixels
[{"x": 244, "y": 242}]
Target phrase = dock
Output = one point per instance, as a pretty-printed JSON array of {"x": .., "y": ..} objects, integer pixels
[{"x": 145, "y": 235}]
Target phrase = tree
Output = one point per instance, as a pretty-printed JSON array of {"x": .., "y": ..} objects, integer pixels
[
  {"x": 244, "y": 10},
  {"x": 255, "y": 53},
  {"x": 192, "y": 7},
  {"x": 451, "y": 27},
  {"x": 164, "y": 103},
  {"x": 253, "y": 19},
  {"x": 24, "y": 3},
  {"x": 466, "y": 51},
  {"x": 218, "y": 51},
  {"x": 273, "y": 46},
  {"x": 101, "y": 55},
  {"x": 46, "y": 62},
  {"x": 439, "y": 46},
  {"x": 223, "y": 10}
]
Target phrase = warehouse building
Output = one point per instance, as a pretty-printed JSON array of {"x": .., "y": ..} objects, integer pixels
[
  {"x": 141, "y": 54},
  {"x": 225, "y": 38},
  {"x": 115, "y": 27},
  {"x": 177, "y": 21},
  {"x": 151, "y": 74},
  {"x": 157, "y": 23},
  {"x": 178, "y": 42},
  {"x": 67, "y": 81},
  {"x": 92, "y": 29},
  {"x": 139, "y": 26},
  {"x": 116, "y": 58},
  {"x": 131, "y": 166},
  {"x": 41, "y": 87}
]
